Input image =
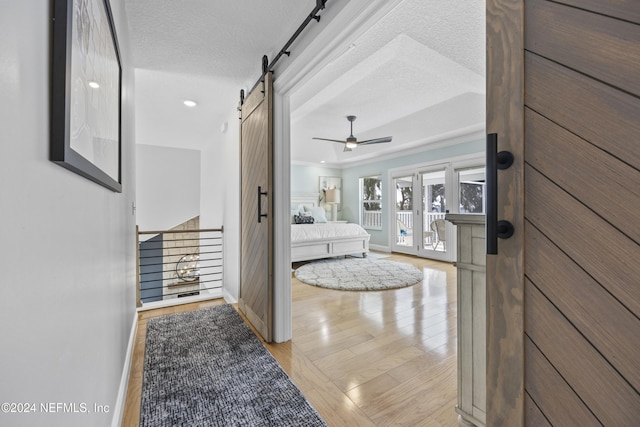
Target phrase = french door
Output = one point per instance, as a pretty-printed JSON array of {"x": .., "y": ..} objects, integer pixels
[
  {"x": 404, "y": 213},
  {"x": 419, "y": 208},
  {"x": 423, "y": 195},
  {"x": 437, "y": 234}
]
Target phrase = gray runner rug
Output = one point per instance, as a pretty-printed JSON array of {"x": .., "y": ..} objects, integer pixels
[{"x": 207, "y": 368}]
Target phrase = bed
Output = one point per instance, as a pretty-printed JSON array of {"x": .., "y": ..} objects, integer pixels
[{"x": 325, "y": 239}]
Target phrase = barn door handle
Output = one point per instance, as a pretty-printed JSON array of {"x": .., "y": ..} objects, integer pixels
[
  {"x": 502, "y": 160},
  {"x": 260, "y": 194}
]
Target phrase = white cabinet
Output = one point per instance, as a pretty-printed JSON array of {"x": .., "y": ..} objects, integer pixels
[{"x": 472, "y": 309}]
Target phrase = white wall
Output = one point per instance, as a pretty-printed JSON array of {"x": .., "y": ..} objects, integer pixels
[
  {"x": 168, "y": 181},
  {"x": 67, "y": 288},
  {"x": 305, "y": 178},
  {"x": 212, "y": 184},
  {"x": 231, "y": 215}
]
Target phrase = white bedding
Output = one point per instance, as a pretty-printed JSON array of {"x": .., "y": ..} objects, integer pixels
[{"x": 320, "y": 231}]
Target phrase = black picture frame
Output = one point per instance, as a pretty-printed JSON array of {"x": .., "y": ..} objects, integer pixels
[{"x": 85, "y": 119}]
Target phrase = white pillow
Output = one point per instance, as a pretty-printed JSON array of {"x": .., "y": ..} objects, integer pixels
[{"x": 318, "y": 214}]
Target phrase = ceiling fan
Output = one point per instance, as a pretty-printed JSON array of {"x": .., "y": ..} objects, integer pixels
[{"x": 352, "y": 142}]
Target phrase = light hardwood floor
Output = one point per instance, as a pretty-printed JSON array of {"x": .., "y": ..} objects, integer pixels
[{"x": 361, "y": 358}]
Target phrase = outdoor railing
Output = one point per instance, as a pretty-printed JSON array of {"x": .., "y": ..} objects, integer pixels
[
  {"x": 406, "y": 218},
  {"x": 405, "y": 226},
  {"x": 372, "y": 219},
  {"x": 179, "y": 263}
]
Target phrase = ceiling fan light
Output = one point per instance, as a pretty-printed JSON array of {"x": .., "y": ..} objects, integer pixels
[{"x": 352, "y": 142}]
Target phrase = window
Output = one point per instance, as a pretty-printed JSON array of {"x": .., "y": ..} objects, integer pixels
[
  {"x": 471, "y": 190},
  {"x": 371, "y": 202}
]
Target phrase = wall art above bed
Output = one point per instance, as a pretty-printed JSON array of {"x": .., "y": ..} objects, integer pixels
[{"x": 327, "y": 182}]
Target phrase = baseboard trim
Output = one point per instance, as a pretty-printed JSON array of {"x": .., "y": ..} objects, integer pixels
[
  {"x": 228, "y": 297},
  {"x": 118, "y": 410},
  {"x": 217, "y": 294},
  {"x": 380, "y": 248}
]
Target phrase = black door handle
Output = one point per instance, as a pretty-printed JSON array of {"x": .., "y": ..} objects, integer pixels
[
  {"x": 502, "y": 160},
  {"x": 260, "y": 194}
]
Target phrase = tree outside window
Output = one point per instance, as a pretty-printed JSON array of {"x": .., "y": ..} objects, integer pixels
[
  {"x": 404, "y": 194},
  {"x": 471, "y": 190},
  {"x": 471, "y": 197},
  {"x": 436, "y": 195},
  {"x": 371, "y": 202}
]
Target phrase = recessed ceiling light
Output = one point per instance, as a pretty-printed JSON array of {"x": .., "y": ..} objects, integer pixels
[
  {"x": 94, "y": 85},
  {"x": 322, "y": 161},
  {"x": 190, "y": 103}
]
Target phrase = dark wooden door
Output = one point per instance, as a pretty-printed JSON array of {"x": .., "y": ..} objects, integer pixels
[
  {"x": 563, "y": 294},
  {"x": 256, "y": 258}
]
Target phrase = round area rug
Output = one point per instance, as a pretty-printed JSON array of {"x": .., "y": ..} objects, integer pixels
[{"x": 357, "y": 274}]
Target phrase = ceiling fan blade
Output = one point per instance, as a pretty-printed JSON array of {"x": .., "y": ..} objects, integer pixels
[
  {"x": 332, "y": 140},
  {"x": 376, "y": 141}
]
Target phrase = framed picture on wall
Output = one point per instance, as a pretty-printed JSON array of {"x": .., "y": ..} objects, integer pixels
[
  {"x": 86, "y": 92},
  {"x": 330, "y": 182}
]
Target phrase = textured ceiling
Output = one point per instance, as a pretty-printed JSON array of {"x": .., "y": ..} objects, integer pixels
[
  {"x": 416, "y": 74},
  {"x": 212, "y": 38},
  {"x": 206, "y": 51}
]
